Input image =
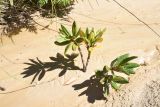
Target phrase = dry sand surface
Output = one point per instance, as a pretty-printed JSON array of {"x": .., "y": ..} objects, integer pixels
[{"x": 125, "y": 34}]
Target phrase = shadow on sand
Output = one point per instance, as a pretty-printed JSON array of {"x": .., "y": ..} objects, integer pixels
[
  {"x": 94, "y": 89},
  {"x": 39, "y": 68}
]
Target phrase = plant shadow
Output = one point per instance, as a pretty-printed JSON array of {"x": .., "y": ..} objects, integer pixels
[
  {"x": 14, "y": 19},
  {"x": 21, "y": 16},
  {"x": 94, "y": 89},
  {"x": 39, "y": 68}
]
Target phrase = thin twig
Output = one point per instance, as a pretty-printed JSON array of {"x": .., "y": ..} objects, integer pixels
[
  {"x": 88, "y": 58},
  {"x": 80, "y": 52}
]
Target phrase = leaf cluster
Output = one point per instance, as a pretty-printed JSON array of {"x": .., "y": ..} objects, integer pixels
[
  {"x": 70, "y": 39},
  {"x": 74, "y": 38},
  {"x": 91, "y": 38},
  {"x": 123, "y": 64},
  {"x": 77, "y": 36},
  {"x": 107, "y": 76}
]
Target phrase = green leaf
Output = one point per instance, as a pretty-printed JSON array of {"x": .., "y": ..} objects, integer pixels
[
  {"x": 131, "y": 65},
  {"x": 78, "y": 33},
  {"x": 74, "y": 28},
  {"x": 87, "y": 32},
  {"x": 62, "y": 34},
  {"x": 99, "y": 73},
  {"x": 91, "y": 36},
  {"x": 128, "y": 59},
  {"x": 61, "y": 39},
  {"x": 79, "y": 40},
  {"x": 62, "y": 43},
  {"x": 74, "y": 47},
  {"x": 67, "y": 47},
  {"x": 65, "y": 31},
  {"x": 106, "y": 69},
  {"x": 99, "y": 40},
  {"x": 81, "y": 33},
  {"x": 131, "y": 71},
  {"x": 119, "y": 60},
  {"x": 100, "y": 33},
  {"x": 115, "y": 85},
  {"x": 113, "y": 62},
  {"x": 120, "y": 80},
  {"x": 42, "y": 2},
  {"x": 124, "y": 70}
]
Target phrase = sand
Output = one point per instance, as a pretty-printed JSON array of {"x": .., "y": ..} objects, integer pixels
[{"x": 124, "y": 34}]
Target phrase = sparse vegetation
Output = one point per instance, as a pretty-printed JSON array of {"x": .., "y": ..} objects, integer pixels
[
  {"x": 108, "y": 77},
  {"x": 17, "y": 14},
  {"x": 74, "y": 40}
]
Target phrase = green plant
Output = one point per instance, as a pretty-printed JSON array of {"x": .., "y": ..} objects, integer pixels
[
  {"x": 55, "y": 6},
  {"x": 70, "y": 40},
  {"x": 108, "y": 78},
  {"x": 55, "y": 2},
  {"x": 91, "y": 38},
  {"x": 73, "y": 40}
]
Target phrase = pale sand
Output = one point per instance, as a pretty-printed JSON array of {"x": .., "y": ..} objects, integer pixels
[{"x": 124, "y": 35}]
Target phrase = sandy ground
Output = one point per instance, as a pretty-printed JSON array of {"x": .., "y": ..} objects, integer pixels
[{"x": 124, "y": 34}]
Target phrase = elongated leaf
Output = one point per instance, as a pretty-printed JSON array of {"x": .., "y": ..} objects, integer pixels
[
  {"x": 74, "y": 47},
  {"x": 115, "y": 85},
  {"x": 78, "y": 33},
  {"x": 91, "y": 37},
  {"x": 81, "y": 33},
  {"x": 119, "y": 60},
  {"x": 61, "y": 39},
  {"x": 63, "y": 34},
  {"x": 100, "y": 33},
  {"x": 131, "y": 71},
  {"x": 67, "y": 47},
  {"x": 87, "y": 32},
  {"x": 120, "y": 80},
  {"x": 62, "y": 43},
  {"x": 131, "y": 65},
  {"x": 127, "y": 60},
  {"x": 99, "y": 40},
  {"x": 113, "y": 62},
  {"x": 124, "y": 70},
  {"x": 79, "y": 40},
  {"x": 65, "y": 31},
  {"x": 74, "y": 28}
]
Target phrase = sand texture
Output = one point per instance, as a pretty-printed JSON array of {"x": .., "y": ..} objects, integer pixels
[{"x": 63, "y": 87}]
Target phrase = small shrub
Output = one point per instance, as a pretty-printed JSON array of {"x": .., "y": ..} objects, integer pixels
[
  {"x": 107, "y": 77},
  {"x": 74, "y": 40}
]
